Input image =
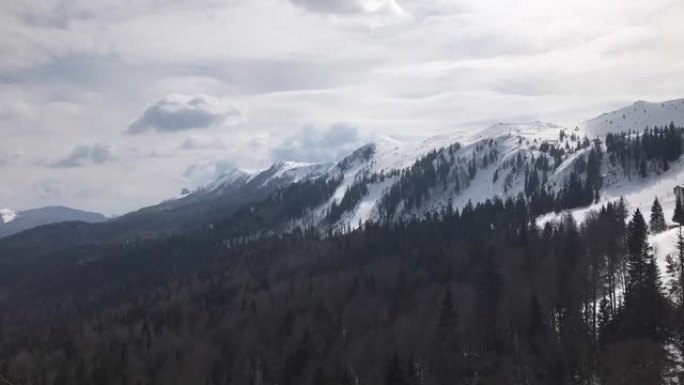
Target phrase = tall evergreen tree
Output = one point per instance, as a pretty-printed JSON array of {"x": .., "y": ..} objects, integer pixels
[
  {"x": 642, "y": 168},
  {"x": 394, "y": 374},
  {"x": 643, "y": 297},
  {"x": 448, "y": 319},
  {"x": 657, "y": 222},
  {"x": 678, "y": 216},
  {"x": 637, "y": 248}
]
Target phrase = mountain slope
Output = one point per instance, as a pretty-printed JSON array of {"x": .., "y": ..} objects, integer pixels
[
  {"x": 388, "y": 180},
  {"x": 448, "y": 169},
  {"x": 636, "y": 117},
  {"x": 13, "y": 222},
  {"x": 452, "y": 170}
]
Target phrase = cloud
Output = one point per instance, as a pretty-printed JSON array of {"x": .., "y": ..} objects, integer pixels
[
  {"x": 208, "y": 170},
  {"x": 7, "y": 159},
  {"x": 313, "y": 145},
  {"x": 70, "y": 67},
  {"x": 202, "y": 143},
  {"x": 85, "y": 155},
  {"x": 351, "y": 6},
  {"x": 177, "y": 112},
  {"x": 49, "y": 189}
]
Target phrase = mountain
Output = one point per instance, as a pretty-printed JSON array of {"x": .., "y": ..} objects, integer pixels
[
  {"x": 398, "y": 181},
  {"x": 258, "y": 278},
  {"x": 553, "y": 167},
  {"x": 214, "y": 201},
  {"x": 636, "y": 117},
  {"x": 12, "y": 222},
  {"x": 391, "y": 180}
]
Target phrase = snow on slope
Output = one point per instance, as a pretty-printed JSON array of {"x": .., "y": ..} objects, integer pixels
[
  {"x": 294, "y": 172},
  {"x": 664, "y": 244},
  {"x": 280, "y": 173},
  {"x": 7, "y": 215},
  {"x": 499, "y": 178},
  {"x": 228, "y": 178},
  {"x": 636, "y": 117},
  {"x": 514, "y": 138},
  {"x": 511, "y": 139},
  {"x": 532, "y": 130},
  {"x": 639, "y": 193},
  {"x": 390, "y": 155}
]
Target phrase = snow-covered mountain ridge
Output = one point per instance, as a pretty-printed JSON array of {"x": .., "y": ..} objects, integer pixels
[
  {"x": 393, "y": 180},
  {"x": 636, "y": 117}
]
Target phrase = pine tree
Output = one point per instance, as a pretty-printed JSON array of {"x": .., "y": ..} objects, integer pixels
[
  {"x": 642, "y": 169},
  {"x": 448, "y": 319},
  {"x": 604, "y": 321},
  {"x": 637, "y": 248},
  {"x": 680, "y": 248},
  {"x": 678, "y": 216},
  {"x": 657, "y": 222},
  {"x": 644, "y": 302},
  {"x": 347, "y": 377},
  {"x": 395, "y": 374}
]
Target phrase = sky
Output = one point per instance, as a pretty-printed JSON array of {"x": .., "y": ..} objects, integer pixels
[{"x": 111, "y": 105}]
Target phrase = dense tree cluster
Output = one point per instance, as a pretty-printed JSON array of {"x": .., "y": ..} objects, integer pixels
[
  {"x": 349, "y": 201},
  {"x": 443, "y": 168},
  {"x": 478, "y": 296},
  {"x": 640, "y": 153},
  {"x": 286, "y": 204}
]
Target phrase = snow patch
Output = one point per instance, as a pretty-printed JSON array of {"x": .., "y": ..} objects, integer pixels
[
  {"x": 7, "y": 215},
  {"x": 636, "y": 117}
]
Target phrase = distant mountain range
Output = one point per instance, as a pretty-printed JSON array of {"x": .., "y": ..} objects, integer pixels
[{"x": 12, "y": 222}]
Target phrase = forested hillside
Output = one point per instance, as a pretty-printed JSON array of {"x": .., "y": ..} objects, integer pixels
[
  {"x": 481, "y": 295},
  {"x": 504, "y": 256}
]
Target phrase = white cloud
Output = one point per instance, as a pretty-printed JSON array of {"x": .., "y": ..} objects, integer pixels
[
  {"x": 351, "y": 6},
  {"x": 202, "y": 143},
  {"x": 85, "y": 155},
  {"x": 74, "y": 69},
  {"x": 177, "y": 112},
  {"x": 207, "y": 170},
  {"x": 10, "y": 158},
  {"x": 310, "y": 144}
]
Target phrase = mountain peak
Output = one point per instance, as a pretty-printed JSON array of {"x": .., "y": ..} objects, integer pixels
[
  {"x": 536, "y": 129},
  {"x": 229, "y": 177},
  {"x": 284, "y": 165},
  {"x": 636, "y": 117}
]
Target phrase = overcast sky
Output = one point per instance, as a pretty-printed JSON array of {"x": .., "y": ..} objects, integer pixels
[{"x": 110, "y": 105}]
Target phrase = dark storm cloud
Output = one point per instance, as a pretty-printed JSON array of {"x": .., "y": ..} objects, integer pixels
[
  {"x": 313, "y": 145},
  {"x": 175, "y": 112},
  {"x": 85, "y": 155}
]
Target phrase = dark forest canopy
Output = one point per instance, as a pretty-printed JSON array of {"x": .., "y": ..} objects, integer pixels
[{"x": 478, "y": 296}]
